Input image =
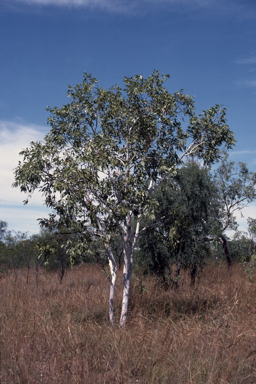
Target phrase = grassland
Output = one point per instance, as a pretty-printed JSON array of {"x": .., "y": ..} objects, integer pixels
[{"x": 59, "y": 333}]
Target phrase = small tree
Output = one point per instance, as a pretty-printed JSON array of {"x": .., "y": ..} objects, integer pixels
[
  {"x": 52, "y": 253},
  {"x": 188, "y": 205},
  {"x": 236, "y": 190},
  {"x": 105, "y": 155}
]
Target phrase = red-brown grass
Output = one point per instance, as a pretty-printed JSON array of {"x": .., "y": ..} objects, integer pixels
[{"x": 59, "y": 333}]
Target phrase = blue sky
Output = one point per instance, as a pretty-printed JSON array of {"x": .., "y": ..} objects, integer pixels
[{"x": 207, "y": 46}]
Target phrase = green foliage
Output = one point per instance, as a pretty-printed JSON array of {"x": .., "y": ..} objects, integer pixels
[
  {"x": 252, "y": 230},
  {"x": 250, "y": 269},
  {"x": 236, "y": 188},
  {"x": 188, "y": 209},
  {"x": 241, "y": 247},
  {"x": 52, "y": 254},
  {"x": 58, "y": 250},
  {"x": 17, "y": 251}
]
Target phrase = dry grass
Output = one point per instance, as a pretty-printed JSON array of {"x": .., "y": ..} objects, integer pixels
[{"x": 60, "y": 334}]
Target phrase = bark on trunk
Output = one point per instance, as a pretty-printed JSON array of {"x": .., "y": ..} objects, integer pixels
[
  {"x": 127, "y": 273},
  {"x": 128, "y": 249},
  {"x": 225, "y": 248},
  {"x": 113, "y": 271}
]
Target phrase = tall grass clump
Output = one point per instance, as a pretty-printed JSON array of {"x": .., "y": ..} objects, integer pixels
[{"x": 59, "y": 333}]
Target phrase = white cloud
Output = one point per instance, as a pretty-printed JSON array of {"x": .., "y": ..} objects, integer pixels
[
  {"x": 251, "y": 60},
  {"x": 250, "y": 83},
  {"x": 229, "y": 8},
  {"x": 245, "y": 152},
  {"x": 13, "y": 138},
  {"x": 115, "y": 6},
  {"x": 107, "y": 5},
  {"x": 247, "y": 83},
  {"x": 85, "y": 3}
]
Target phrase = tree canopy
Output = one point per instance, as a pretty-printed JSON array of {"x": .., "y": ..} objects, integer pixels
[{"x": 108, "y": 151}]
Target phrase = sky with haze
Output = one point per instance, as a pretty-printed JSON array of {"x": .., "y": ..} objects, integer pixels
[{"x": 207, "y": 46}]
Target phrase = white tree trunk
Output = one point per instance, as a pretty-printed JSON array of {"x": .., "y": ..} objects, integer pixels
[
  {"x": 113, "y": 272},
  {"x": 127, "y": 274},
  {"x": 128, "y": 267}
]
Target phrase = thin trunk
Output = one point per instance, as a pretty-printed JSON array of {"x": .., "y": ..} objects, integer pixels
[
  {"x": 113, "y": 272},
  {"x": 61, "y": 272},
  {"x": 128, "y": 267},
  {"x": 127, "y": 274},
  {"x": 193, "y": 272},
  {"x": 225, "y": 248}
]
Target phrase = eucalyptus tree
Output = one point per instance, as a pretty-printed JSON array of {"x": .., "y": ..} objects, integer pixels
[
  {"x": 236, "y": 185},
  {"x": 105, "y": 155}
]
